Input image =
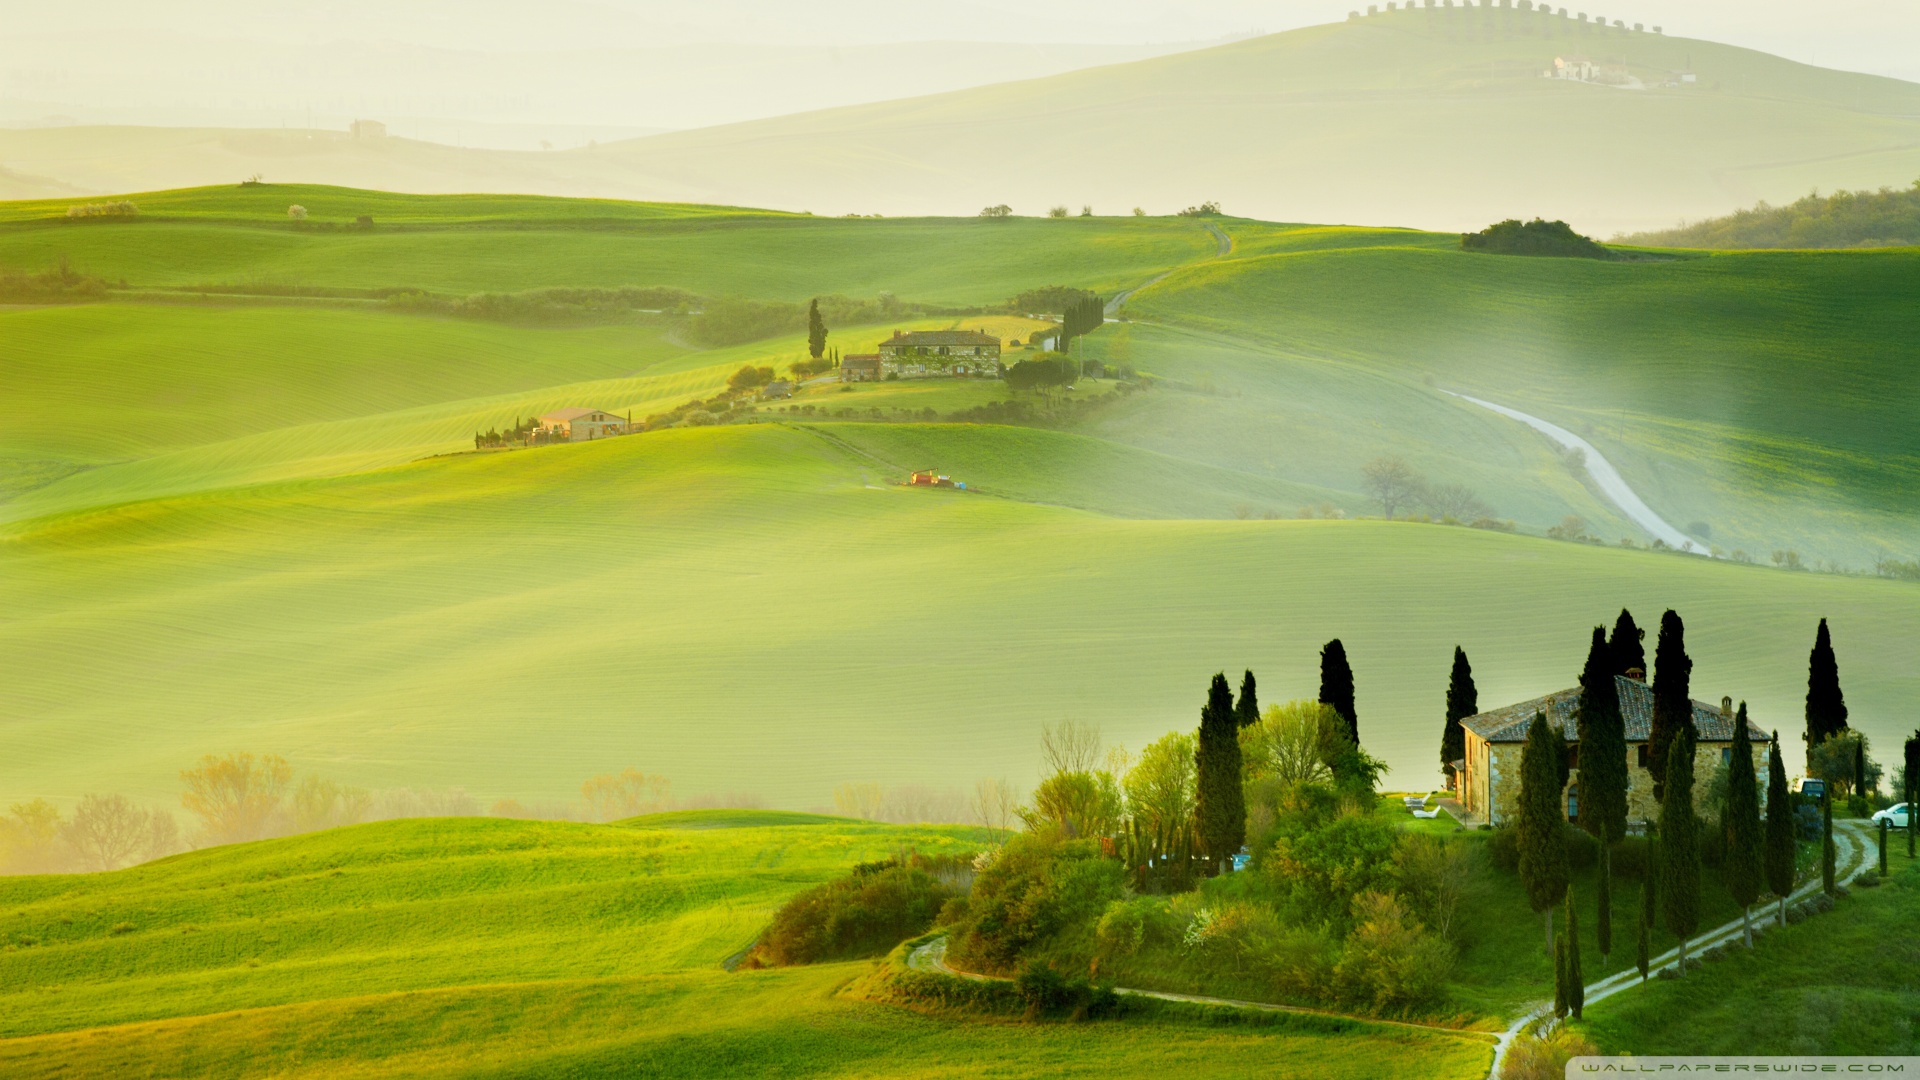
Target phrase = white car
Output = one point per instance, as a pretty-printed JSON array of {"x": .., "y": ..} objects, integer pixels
[{"x": 1895, "y": 816}]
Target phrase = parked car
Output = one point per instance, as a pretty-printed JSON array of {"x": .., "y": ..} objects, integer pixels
[
  {"x": 1811, "y": 786},
  {"x": 1896, "y": 816}
]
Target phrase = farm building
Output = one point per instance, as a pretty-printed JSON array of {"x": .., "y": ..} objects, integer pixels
[
  {"x": 1488, "y": 777},
  {"x": 921, "y": 354},
  {"x": 579, "y": 425},
  {"x": 863, "y": 367},
  {"x": 779, "y": 388}
]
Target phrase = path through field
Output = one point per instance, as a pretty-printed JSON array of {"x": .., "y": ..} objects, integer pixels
[{"x": 1608, "y": 478}]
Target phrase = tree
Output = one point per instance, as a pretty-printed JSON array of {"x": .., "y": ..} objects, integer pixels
[
  {"x": 816, "y": 330},
  {"x": 1862, "y": 785},
  {"x": 1246, "y": 711},
  {"x": 1679, "y": 844},
  {"x": 1643, "y": 954},
  {"x": 1826, "y": 843},
  {"x": 1603, "y": 907},
  {"x": 1220, "y": 801},
  {"x": 108, "y": 831},
  {"x": 630, "y": 794},
  {"x": 1779, "y": 855},
  {"x": 1603, "y": 746},
  {"x": 1845, "y": 762},
  {"x": 997, "y": 213},
  {"x": 1544, "y": 867},
  {"x": 1160, "y": 787},
  {"x": 236, "y": 796},
  {"x": 1629, "y": 654},
  {"x": 1911, "y": 780},
  {"x": 1826, "y": 705},
  {"x": 1456, "y": 501},
  {"x": 1576, "y": 979},
  {"x": 1672, "y": 696},
  {"x": 1075, "y": 805},
  {"x": 1292, "y": 743},
  {"x": 1070, "y": 746},
  {"x": 1742, "y": 867},
  {"x": 1336, "y": 686},
  {"x": 994, "y": 803},
  {"x": 1560, "y": 1003},
  {"x": 1391, "y": 482},
  {"x": 1463, "y": 700}
]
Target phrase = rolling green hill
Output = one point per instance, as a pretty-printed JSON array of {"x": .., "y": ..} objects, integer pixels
[
  {"x": 455, "y": 947},
  {"x": 1436, "y": 117}
]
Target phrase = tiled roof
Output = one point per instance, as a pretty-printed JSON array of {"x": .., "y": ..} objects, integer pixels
[
  {"x": 942, "y": 337},
  {"x": 566, "y": 415},
  {"x": 1636, "y": 708}
]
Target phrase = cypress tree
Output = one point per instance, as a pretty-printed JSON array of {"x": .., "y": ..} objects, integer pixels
[
  {"x": 1544, "y": 869},
  {"x": 1603, "y": 746},
  {"x": 1463, "y": 700},
  {"x": 816, "y": 330},
  {"x": 1860, "y": 768},
  {"x": 1672, "y": 696},
  {"x": 1576, "y": 979},
  {"x": 1912, "y": 749},
  {"x": 1779, "y": 853},
  {"x": 1741, "y": 820},
  {"x": 1679, "y": 845},
  {"x": 1603, "y": 910},
  {"x": 1560, "y": 995},
  {"x": 1625, "y": 646},
  {"x": 1883, "y": 847},
  {"x": 1826, "y": 843},
  {"x": 1643, "y": 955},
  {"x": 1826, "y": 706},
  {"x": 1220, "y": 803},
  {"x": 1246, "y": 711},
  {"x": 1336, "y": 686}
]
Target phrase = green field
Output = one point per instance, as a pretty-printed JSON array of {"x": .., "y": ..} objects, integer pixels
[{"x": 485, "y": 947}]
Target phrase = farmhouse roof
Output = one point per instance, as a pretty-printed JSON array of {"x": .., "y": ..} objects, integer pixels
[
  {"x": 1510, "y": 724},
  {"x": 569, "y": 415},
  {"x": 941, "y": 337}
]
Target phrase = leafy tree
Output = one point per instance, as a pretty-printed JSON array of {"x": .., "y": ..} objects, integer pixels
[
  {"x": 1075, "y": 805},
  {"x": 1826, "y": 705},
  {"x": 1743, "y": 867},
  {"x": 1779, "y": 855},
  {"x": 816, "y": 330},
  {"x": 1626, "y": 646},
  {"x": 1246, "y": 711},
  {"x": 1221, "y": 808},
  {"x": 1603, "y": 746},
  {"x": 1679, "y": 843},
  {"x": 1845, "y": 762},
  {"x": 1336, "y": 686},
  {"x": 1463, "y": 700},
  {"x": 1576, "y": 978},
  {"x": 1536, "y": 237},
  {"x": 997, "y": 213},
  {"x": 1293, "y": 743},
  {"x": 1542, "y": 828},
  {"x": 1160, "y": 786},
  {"x": 236, "y": 796},
  {"x": 1392, "y": 483},
  {"x": 1672, "y": 696}
]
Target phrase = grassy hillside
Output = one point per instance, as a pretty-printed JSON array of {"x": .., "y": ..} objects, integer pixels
[
  {"x": 446, "y": 947},
  {"x": 1844, "y": 219},
  {"x": 755, "y": 608},
  {"x": 1435, "y": 117}
]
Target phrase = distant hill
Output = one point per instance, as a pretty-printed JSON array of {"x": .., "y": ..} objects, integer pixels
[
  {"x": 1844, "y": 219},
  {"x": 1434, "y": 117}
]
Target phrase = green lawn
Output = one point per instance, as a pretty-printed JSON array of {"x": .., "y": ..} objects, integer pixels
[{"x": 486, "y": 947}]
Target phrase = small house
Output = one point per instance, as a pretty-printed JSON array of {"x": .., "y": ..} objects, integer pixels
[
  {"x": 580, "y": 425},
  {"x": 862, "y": 367},
  {"x": 920, "y": 354},
  {"x": 1488, "y": 776},
  {"x": 779, "y": 388}
]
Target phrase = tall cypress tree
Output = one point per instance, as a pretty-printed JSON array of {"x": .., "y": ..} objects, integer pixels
[
  {"x": 1625, "y": 645},
  {"x": 1603, "y": 909},
  {"x": 816, "y": 330},
  {"x": 1246, "y": 711},
  {"x": 1741, "y": 820},
  {"x": 1826, "y": 843},
  {"x": 1679, "y": 844},
  {"x": 1860, "y": 767},
  {"x": 1908, "y": 796},
  {"x": 1560, "y": 995},
  {"x": 1779, "y": 852},
  {"x": 1603, "y": 746},
  {"x": 1826, "y": 706},
  {"x": 1672, "y": 696},
  {"x": 1463, "y": 700},
  {"x": 1544, "y": 869},
  {"x": 1643, "y": 955},
  {"x": 1220, "y": 804},
  {"x": 1336, "y": 686},
  {"x": 1576, "y": 979}
]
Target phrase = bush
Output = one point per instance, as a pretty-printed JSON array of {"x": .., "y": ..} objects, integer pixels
[
  {"x": 1503, "y": 848},
  {"x": 1534, "y": 1058},
  {"x": 1318, "y": 867},
  {"x": 1123, "y": 929},
  {"x": 1583, "y": 850},
  {"x": 1040, "y": 886},
  {"x": 1047, "y": 993},
  {"x": 869, "y": 911},
  {"x": 1536, "y": 237},
  {"x": 119, "y": 209},
  {"x": 1629, "y": 857},
  {"x": 1390, "y": 960}
]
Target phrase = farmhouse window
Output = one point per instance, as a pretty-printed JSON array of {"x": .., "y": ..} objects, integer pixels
[{"x": 1641, "y": 757}]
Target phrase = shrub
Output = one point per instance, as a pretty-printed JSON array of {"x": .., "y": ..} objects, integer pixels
[
  {"x": 119, "y": 209},
  {"x": 1536, "y": 237},
  {"x": 297, "y": 212},
  {"x": 1390, "y": 960},
  {"x": 1532, "y": 1057},
  {"x": 869, "y": 911},
  {"x": 1047, "y": 993},
  {"x": 1503, "y": 848},
  {"x": 1320, "y": 868},
  {"x": 1629, "y": 856},
  {"x": 1583, "y": 851},
  {"x": 1122, "y": 930},
  {"x": 1039, "y": 886}
]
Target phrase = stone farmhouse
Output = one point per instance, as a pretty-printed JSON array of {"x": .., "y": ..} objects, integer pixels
[
  {"x": 1488, "y": 778},
  {"x": 922, "y": 354},
  {"x": 860, "y": 367},
  {"x": 580, "y": 425}
]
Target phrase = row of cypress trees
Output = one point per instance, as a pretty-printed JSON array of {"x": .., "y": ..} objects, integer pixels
[{"x": 1220, "y": 808}]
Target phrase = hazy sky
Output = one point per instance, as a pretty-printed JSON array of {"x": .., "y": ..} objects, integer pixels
[{"x": 505, "y": 70}]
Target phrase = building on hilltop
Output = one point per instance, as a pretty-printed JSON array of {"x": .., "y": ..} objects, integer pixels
[
  {"x": 368, "y": 129},
  {"x": 1489, "y": 774},
  {"x": 921, "y": 354},
  {"x": 860, "y": 367},
  {"x": 580, "y": 425}
]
